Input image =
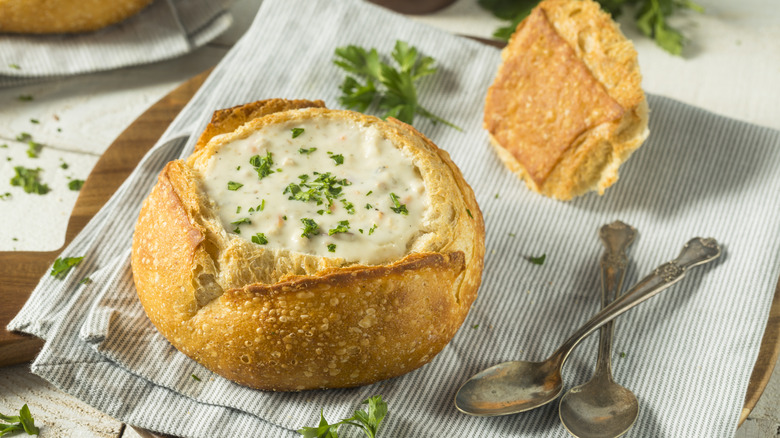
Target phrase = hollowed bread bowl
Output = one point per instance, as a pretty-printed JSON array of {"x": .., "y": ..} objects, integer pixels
[{"x": 275, "y": 318}]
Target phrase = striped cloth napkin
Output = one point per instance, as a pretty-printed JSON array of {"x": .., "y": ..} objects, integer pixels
[
  {"x": 163, "y": 30},
  {"x": 687, "y": 354}
]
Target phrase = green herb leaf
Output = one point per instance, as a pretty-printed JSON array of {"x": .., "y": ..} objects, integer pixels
[
  {"x": 537, "y": 260},
  {"x": 296, "y": 132},
  {"x": 651, "y": 17},
  {"x": 28, "y": 180},
  {"x": 469, "y": 213},
  {"x": 25, "y": 98},
  {"x": 262, "y": 165},
  {"x": 343, "y": 227},
  {"x": 196, "y": 378},
  {"x": 63, "y": 265},
  {"x": 85, "y": 280},
  {"x": 331, "y": 247},
  {"x": 233, "y": 186},
  {"x": 5, "y": 196},
  {"x": 371, "y": 230},
  {"x": 27, "y": 421},
  {"x": 348, "y": 206},
  {"x": 259, "y": 239},
  {"x": 306, "y": 151},
  {"x": 75, "y": 184},
  {"x": 309, "y": 227},
  {"x": 337, "y": 158},
  {"x": 14, "y": 66},
  {"x": 368, "y": 422},
  {"x": 398, "y": 96},
  {"x": 34, "y": 121},
  {"x": 398, "y": 208}
]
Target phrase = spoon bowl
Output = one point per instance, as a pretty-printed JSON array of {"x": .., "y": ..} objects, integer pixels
[
  {"x": 609, "y": 410},
  {"x": 513, "y": 387},
  {"x": 510, "y": 387}
]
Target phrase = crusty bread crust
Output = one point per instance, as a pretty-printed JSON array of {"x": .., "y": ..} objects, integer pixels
[
  {"x": 566, "y": 107},
  {"x": 64, "y": 16},
  {"x": 279, "y": 320}
]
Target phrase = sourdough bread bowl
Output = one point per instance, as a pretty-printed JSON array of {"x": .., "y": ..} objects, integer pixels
[
  {"x": 64, "y": 16},
  {"x": 566, "y": 108},
  {"x": 301, "y": 247}
]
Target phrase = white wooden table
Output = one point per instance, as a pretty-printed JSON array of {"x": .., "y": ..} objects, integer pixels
[{"x": 730, "y": 67}]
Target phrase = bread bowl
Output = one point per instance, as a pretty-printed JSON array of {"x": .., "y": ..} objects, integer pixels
[
  {"x": 283, "y": 312},
  {"x": 566, "y": 108},
  {"x": 64, "y": 16}
]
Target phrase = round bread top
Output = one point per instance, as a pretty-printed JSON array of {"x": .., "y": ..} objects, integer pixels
[{"x": 324, "y": 186}]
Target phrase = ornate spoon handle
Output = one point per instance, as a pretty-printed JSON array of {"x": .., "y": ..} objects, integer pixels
[{"x": 696, "y": 252}]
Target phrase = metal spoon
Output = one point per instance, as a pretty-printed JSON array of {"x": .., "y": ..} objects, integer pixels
[
  {"x": 513, "y": 387},
  {"x": 602, "y": 408}
]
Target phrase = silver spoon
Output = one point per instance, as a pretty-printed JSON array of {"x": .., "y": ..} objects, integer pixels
[
  {"x": 513, "y": 387},
  {"x": 602, "y": 408}
]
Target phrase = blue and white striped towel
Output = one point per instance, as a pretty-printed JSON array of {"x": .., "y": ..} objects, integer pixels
[
  {"x": 698, "y": 175},
  {"x": 163, "y": 30}
]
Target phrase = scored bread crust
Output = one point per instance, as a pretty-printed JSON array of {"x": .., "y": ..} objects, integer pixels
[
  {"x": 275, "y": 319},
  {"x": 567, "y": 107},
  {"x": 64, "y": 16}
]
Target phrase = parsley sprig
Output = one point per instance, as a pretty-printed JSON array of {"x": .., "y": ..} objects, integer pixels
[
  {"x": 16, "y": 423},
  {"x": 262, "y": 165},
  {"x": 392, "y": 89},
  {"x": 368, "y": 422},
  {"x": 651, "y": 17}
]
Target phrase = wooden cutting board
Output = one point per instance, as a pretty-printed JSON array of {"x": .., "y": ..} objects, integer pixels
[{"x": 21, "y": 271}]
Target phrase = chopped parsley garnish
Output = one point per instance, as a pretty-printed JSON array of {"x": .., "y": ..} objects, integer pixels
[
  {"x": 196, "y": 377},
  {"x": 325, "y": 187},
  {"x": 369, "y": 206},
  {"x": 24, "y": 137},
  {"x": 259, "y": 239},
  {"x": 25, "y": 98},
  {"x": 3, "y": 146},
  {"x": 296, "y": 132},
  {"x": 399, "y": 208},
  {"x": 371, "y": 230},
  {"x": 14, "y": 66},
  {"x": 369, "y": 192},
  {"x": 238, "y": 209},
  {"x": 337, "y": 158},
  {"x": 512, "y": 234},
  {"x": 64, "y": 165},
  {"x": 63, "y": 265},
  {"x": 343, "y": 227},
  {"x": 622, "y": 354},
  {"x": 306, "y": 151},
  {"x": 5, "y": 196},
  {"x": 29, "y": 181},
  {"x": 233, "y": 186},
  {"x": 239, "y": 222},
  {"x": 238, "y": 167},
  {"x": 16, "y": 423},
  {"x": 309, "y": 227},
  {"x": 85, "y": 280},
  {"x": 261, "y": 207},
  {"x": 331, "y": 247},
  {"x": 348, "y": 206},
  {"x": 75, "y": 184},
  {"x": 475, "y": 326},
  {"x": 537, "y": 260},
  {"x": 469, "y": 213},
  {"x": 34, "y": 121},
  {"x": 262, "y": 165}
]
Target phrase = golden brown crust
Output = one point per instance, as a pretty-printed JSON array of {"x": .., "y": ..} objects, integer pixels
[
  {"x": 227, "y": 120},
  {"x": 276, "y": 320},
  {"x": 566, "y": 107},
  {"x": 64, "y": 16}
]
